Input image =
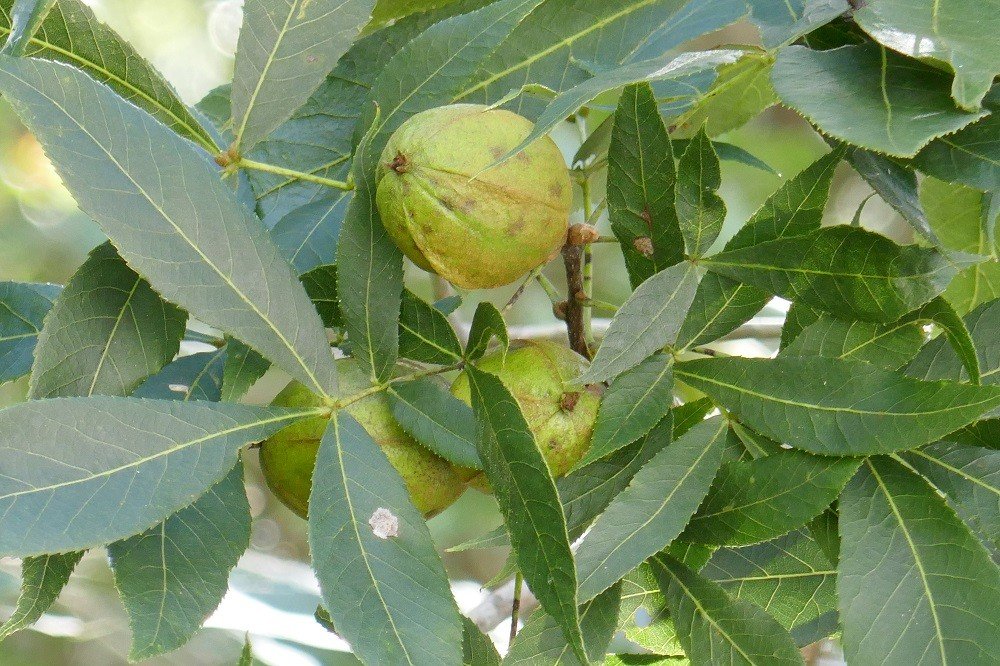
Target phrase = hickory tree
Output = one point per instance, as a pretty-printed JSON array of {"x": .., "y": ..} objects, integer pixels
[{"x": 663, "y": 501}]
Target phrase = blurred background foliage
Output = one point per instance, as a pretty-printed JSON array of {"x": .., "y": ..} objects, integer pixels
[{"x": 45, "y": 238}]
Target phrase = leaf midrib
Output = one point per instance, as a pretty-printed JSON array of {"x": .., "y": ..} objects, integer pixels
[
  {"x": 335, "y": 423},
  {"x": 823, "y": 408},
  {"x": 916, "y": 559},
  {"x": 262, "y": 76},
  {"x": 567, "y": 41},
  {"x": 666, "y": 500},
  {"x": 701, "y": 609}
]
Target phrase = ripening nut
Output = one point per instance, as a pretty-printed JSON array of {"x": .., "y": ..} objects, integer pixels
[
  {"x": 288, "y": 457},
  {"x": 451, "y": 214},
  {"x": 560, "y": 414}
]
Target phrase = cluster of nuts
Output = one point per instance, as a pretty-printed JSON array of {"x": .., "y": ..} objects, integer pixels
[{"x": 455, "y": 211}]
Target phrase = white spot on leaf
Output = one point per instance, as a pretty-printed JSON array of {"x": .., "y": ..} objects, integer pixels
[{"x": 384, "y": 523}]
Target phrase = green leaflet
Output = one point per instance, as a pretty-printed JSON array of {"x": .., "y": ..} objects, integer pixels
[
  {"x": 477, "y": 648},
  {"x": 390, "y": 10},
  {"x": 789, "y": 577},
  {"x": 645, "y": 323},
  {"x": 307, "y": 236},
  {"x": 940, "y": 312},
  {"x": 886, "y": 115},
  {"x": 369, "y": 275},
  {"x": 42, "y": 579},
  {"x": 896, "y": 184},
  {"x": 431, "y": 69},
  {"x": 847, "y": 271},
  {"x": 528, "y": 501},
  {"x": 635, "y": 402},
  {"x": 914, "y": 584},
  {"x": 587, "y": 492},
  {"x": 381, "y": 579},
  {"x": 285, "y": 50},
  {"x": 558, "y": 43},
  {"x": 425, "y": 334},
  {"x": 720, "y": 306},
  {"x": 641, "y": 178},
  {"x": 971, "y": 155},
  {"x": 796, "y": 208},
  {"x": 100, "y": 469},
  {"x": 71, "y": 34},
  {"x": 714, "y": 628},
  {"x": 436, "y": 419},
  {"x": 669, "y": 67},
  {"x": 798, "y": 318},
  {"x": 321, "y": 286},
  {"x": 939, "y": 360},
  {"x": 653, "y": 510},
  {"x": 700, "y": 209},
  {"x": 643, "y": 616},
  {"x": 23, "y": 307},
  {"x": 741, "y": 91},
  {"x": 837, "y": 407},
  {"x": 758, "y": 500},
  {"x": 942, "y": 31},
  {"x": 171, "y": 216},
  {"x": 174, "y": 575},
  {"x": 487, "y": 324},
  {"x": 969, "y": 477},
  {"x": 243, "y": 367},
  {"x": 542, "y": 641},
  {"x": 960, "y": 216},
  {"x": 890, "y": 346},
  {"x": 106, "y": 333}
]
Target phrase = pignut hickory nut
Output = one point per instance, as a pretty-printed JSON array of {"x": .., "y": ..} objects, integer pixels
[{"x": 453, "y": 214}]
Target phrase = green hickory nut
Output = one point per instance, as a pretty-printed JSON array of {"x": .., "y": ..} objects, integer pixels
[
  {"x": 560, "y": 414},
  {"x": 287, "y": 459},
  {"x": 452, "y": 213}
]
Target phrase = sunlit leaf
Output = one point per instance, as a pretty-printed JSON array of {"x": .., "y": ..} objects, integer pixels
[
  {"x": 897, "y": 105},
  {"x": 941, "y": 31}
]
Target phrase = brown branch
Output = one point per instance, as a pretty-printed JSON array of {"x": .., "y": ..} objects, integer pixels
[{"x": 572, "y": 256}]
